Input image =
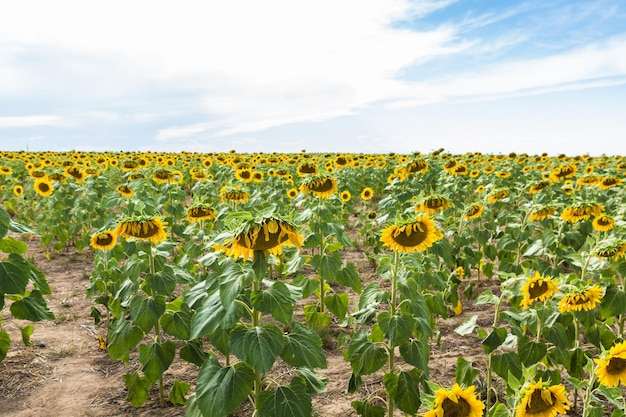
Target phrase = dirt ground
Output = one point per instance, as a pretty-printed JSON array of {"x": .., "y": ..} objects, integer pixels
[{"x": 66, "y": 374}]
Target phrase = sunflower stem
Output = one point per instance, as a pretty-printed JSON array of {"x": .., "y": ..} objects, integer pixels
[
  {"x": 157, "y": 330},
  {"x": 588, "y": 391},
  {"x": 392, "y": 311},
  {"x": 538, "y": 327}
]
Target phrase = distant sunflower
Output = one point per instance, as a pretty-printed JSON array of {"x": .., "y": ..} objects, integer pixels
[
  {"x": 18, "y": 190},
  {"x": 372, "y": 215},
  {"x": 76, "y": 173},
  {"x": 320, "y": 186},
  {"x": 4, "y": 170},
  {"x": 612, "y": 367},
  {"x": 292, "y": 193},
  {"x": 474, "y": 211},
  {"x": 475, "y": 173},
  {"x": 535, "y": 188},
  {"x": 497, "y": 195},
  {"x": 270, "y": 235},
  {"x": 152, "y": 229},
  {"x": 613, "y": 249},
  {"x": 244, "y": 175},
  {"x": 537, "y": 288},
  {"x": 603, "y": 223},
  {"x": 581, "y": 212},
  {"x": 43, "y": 187},
  {"x": 416, "y": 167},
  {"x": 543, "y": 402},
  {"x": 541, "y": 213},
  {"x": 125, "y": 191},
  {"x": 417, "y": 235},
  {"x": 103, "y": 240},
  {"x": 234, "y": 194},
  {"x": 581, "y": 300},
  {"x": 460, "y": 169},
  {"x": 257, "y": 176},
  {"x": 200, "y": 212},
  {"x": 503, "y": 174},
  {"x": 433, "y": 205},
  {"x": 588, "y": 180},
  {"x": 456, "y": 402},
  {"x": 562, "y": 172},
  {"x": 367, "y": 194},
  {"x": 608, "y": 182},
  {"x": 345, "y": 196},
  {"x": 162, "y": 176},
  {"x": 306, "y": 168}
]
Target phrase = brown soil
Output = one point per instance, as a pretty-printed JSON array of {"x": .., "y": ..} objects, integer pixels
[{"x": 66, "y": 374}]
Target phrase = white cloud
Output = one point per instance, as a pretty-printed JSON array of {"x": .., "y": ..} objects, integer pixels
[{"x": 31, "y": 121}]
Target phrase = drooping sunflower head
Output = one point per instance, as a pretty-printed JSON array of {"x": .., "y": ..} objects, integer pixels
[
  {"x": 586, "y": 299},
  {"x": 535, "y": 188},
  {"x": 456, "y": 402},
  {"x": 537, "y": 288},
  {"x": 125, "y": 191},
  {"x": 234, "y": 194},
  {"x": 613, "y": 248},
  {"x": 497, "y": 195},
  {"x": 163, "y": 175},
  {"x": 323, "y": 186},
  {"x": 43, "y": 187},
  {"x": 200, "y": 212},
  {"x": 562, "y": 172},
  {"x": 433, "y": 205},
  {"x": 543, "y": 401},
  {"x": 269, "y": 235},
  {"x": 474, "y": 211},
  {"x": 307, "y": 168},
  {"x": 103, "y": 240},
  {"x": 581, "y": 211},
  {"x": 76, "y": 173},
  {"x": 609, "y": 182},
  {"x": 603, "y": 223},
  {"x": 142, "y": 228},
  {"x": 416, "y": 167},
  {"x": 611, "y": 367},
  {"x": 416, "y": 235},
  {"x": 541, "y": 213}
]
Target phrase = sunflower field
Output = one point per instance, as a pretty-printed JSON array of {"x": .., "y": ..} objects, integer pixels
[{"x": 241, "y": 264}]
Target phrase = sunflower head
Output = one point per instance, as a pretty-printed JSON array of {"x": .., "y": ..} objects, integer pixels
[
  {"x": 537, "y": 288},
  {"x": 497, "y": 195},
  {"x": 474, "y": 211},
  {"x": 345, "y": 196},
  {"x": 540, "y": 400},
  {"x": 541, "y": 213},
  {"x": 581, "y": 300},
  {"x": 433, "y": 205},
  {"x": 103, "y": 240},
  {"x": 142, "y": 228},
  {"x": 43, "y": 187},
  {"x": 200, "y": 212},
  {"x": 292, "y": 193},
  {"x": 581, "y": 211},
  {"x": 456, "y": 402},
  {"x": 611, "y": 367},
  {"x": 613, "y": 248},
  {"x": 367, "y": 194},
  {"x": 18, "y": 190},
  {"x": 234, "y": 194},
  {"x": 323, "y": 186},
  {"x": 603, "y": 223},
  {"x": 416, "y": 235},
  {"x": 125, "y": 191}
]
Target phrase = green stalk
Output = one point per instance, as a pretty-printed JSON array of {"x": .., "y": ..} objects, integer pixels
[
  {"x": 157, "y": 331},
  {"x": 392, "y": 310},
  {"x": 256, "y": 320}
]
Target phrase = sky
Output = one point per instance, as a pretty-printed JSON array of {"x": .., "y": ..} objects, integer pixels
[{"x": 362, "y": 76}]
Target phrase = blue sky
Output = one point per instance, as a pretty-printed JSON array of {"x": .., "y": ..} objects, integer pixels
[{"x": 494, "y": 76}]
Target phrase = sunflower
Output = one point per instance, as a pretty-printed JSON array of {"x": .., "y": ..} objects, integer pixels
[
  {"x": 125, "y": 191},
  {"x": 567, "y": 171},
  {"x": 537, "y": 288},
  {"x": 603, "y": 223},
  {"x": 416, "y": 167},
  {"x": 433, "y": 205},
  {"x": 589, "y": 180},
  {"x": 543, "y": 402},
  {"x": 18, "y": 190},
  {"x": 367, "y": 194},
  {"x": 257, "y": 176},
  {"x": 581, "y": 212},
  {"x": 456, "y": 402},
  {"x": 234, "y": 194},
  {"x": 581, "y": 300},
  {"x": 130, "y": 165},
  {"x": 321, "y": 186},
  {"x": 292, "y": 193},
  {"x": 475, "y": 173},
  {"x": 152, "y": 229},
  {"x": 417, "y": 235},
  {"x": 345, "y": 196},
  {"x": 244, "y": 175},
  {"x": 161, "y": 176},
  {"x": 269, "y": 235},
  {"x": 372, "y": 215},
  {"x": 612, "y": 249},
  {"x": 306, "y": 168},
  {"x": 460, "y": 169},
  {"x": 608, "y": 182},
  {"x": 612, "y": 368},
  {"x": 474, "y": 211},
  {"x": 103, "y": 240},
  {"x": 76, "y": 173},
  {"x": 503, "y": 174},
  {"x": 541, "y": 213},
  {"x": 497, "y": 195},
  {"x": 199, "y": 212},
  {"x": 43, "y": 187},
  {"x": 535, "y": 188},
  {"x": 5, "y": 170}
]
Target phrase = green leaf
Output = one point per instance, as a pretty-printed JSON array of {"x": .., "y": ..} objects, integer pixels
[
  {"x": 365, "y": 409},
  {"x": 163, "y": 282},
  {"x": 337, "y": 304},
  {"x": 14, "y": 274},
  {"x": 178, "y": 323},
  {"x": 465, "y": 373},
  {"x": 5, "y": 222},
  {"x": 494, "y": 340},
  {"x": 145, "y": 312},
  {"x": 557, "y": 335},
  {"x": 613, "y": 303},
  {"x": 505, "y": 363},
  {"x": 407, "y": 397},
  {"x": 303, "y": 348},
  {"x": 5, "y": 342},
  {"x": 32, "y": 308},
  {"x": 220, "y": 390},
  {"x": 372, "y": 295},
  {"x": 364, "y": 356},
  {"x": 27, "y": 332},
  {"x": 498, "y": 410},
  {"x": 11, "y": 245},
  {"x": 258, "y": 346},
  {"x": 316, "y": 320},
  {"x": 138, "y": 388},
  {"x": 467, "y": 326},
  {"x": 416, "y": 352},
  {"x": 156, "y": 358},
  {"x": 532, "y": 352},
  {"x": 275, "y": 300},
  {"x": 193, "y": 352},
  {"x": 212, "y": 315},
  {"x": 39, "y": 280},
  {"x": 178, "y": 392},
  {"x": 398, "y": 328},
  {"x": 234, "y": 278},
  {"x": 290, "y": 401},
  {"x": 123, "y": 338},
  {"x": 486, "y": 297},
  {"x": 315, "y": 383},
  {"x": 327, "y": 265},
  {"x": 349, "y": 277}
]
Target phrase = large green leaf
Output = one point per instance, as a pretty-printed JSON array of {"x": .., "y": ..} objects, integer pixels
[
  {"x": 465, "y": 373},
  {"x": 275, "y": 300},
  {"x": 468, "y": 326},
  {"x": 315, "y": 383},
  {"x": 32, "y": 308},
  {"x": 327, "y": 265},
  {"x": 178, "y": 392},
  {"x": 407, "y": 396},
  {"x": 12, "y": 245},
  {"x": 303, "y": 348},
  {"x": 316, "y": 320},
  {"x": 145, "y": 312},
  {"x": 123, "y": 338},
  {"x": 163, "y": 282},
  {"x": 366, "y": 409},
  {"x": 14, "y": 274},
  {"x": 27, "y": 332},
  {"x": 220, "y": 390},
  {"x": 505, "y": 363},
  {"x": 156, "y": 358},
  {"x": 613, "y": 302},
  {"x": 337, "y": 304},
  {"x": 138, "y": 388},
  {"x": 259, "y": 346},
  {"x": 178, "y": 323},
  {"x": 5, "y": 342},
  {"x": 532, "y": 352},
  {"x": 234, "y": 278},
  {"x": 213, "y": 315},
  {"x": 494, "y": 339},
  {"x": 349, "y": 277},
  {"x": 5, "y": 222},
  {"x": 39, "y": 280},
  {"x": 193, "y": 352},
  {"x": 364, "y": 356},
  {"x": 286, "y": 401},
  {"x": 397, "y": 328},
  {"x": 416, "y": 352}
]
